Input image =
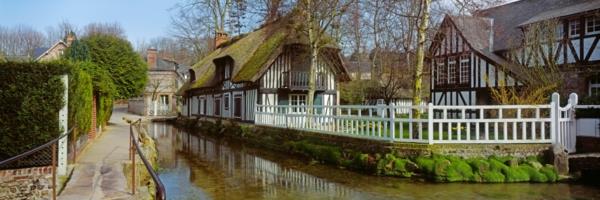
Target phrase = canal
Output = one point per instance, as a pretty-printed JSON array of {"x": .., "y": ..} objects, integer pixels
[{"x": 196, "y": 166}]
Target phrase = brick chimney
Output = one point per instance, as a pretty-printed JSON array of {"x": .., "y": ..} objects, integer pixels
[
  {"x": 70, "y": 38},
  {"x": 220, "y": 38},
  {"x": 151, "y": 57}
]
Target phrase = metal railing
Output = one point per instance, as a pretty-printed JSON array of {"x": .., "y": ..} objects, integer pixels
[
  {"x": 52, "y": 144},
  {"x": 134, "y": 147}
]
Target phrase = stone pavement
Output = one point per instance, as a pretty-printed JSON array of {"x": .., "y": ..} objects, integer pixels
[{"x": 98, "y": 173}]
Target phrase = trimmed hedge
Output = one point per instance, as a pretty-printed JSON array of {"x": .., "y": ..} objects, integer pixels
[{"x": 31, "y": 95}]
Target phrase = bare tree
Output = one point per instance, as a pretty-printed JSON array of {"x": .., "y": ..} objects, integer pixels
[
  {"x": 319, "y": 16},
  {"x": 20, "y": 41},
  {"x": 420, "y": 56},
  {"x": 60, "y": 31},
  {"x": 534, "y": 68},
  {"x": 114, "y": 29}
]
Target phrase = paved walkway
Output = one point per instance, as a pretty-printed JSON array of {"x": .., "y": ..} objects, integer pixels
[{"x": 99, "y": 171}]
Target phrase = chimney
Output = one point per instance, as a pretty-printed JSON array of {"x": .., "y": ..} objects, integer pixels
[
  {"x": 151, "y": 58},
  {"x": 220, "y": 38},
  {"x": 70, "y": 38}
]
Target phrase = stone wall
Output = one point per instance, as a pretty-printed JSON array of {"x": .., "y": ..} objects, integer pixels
[
  {"x": 260, "y": 135},
  {"x": 26, "y": 183}
]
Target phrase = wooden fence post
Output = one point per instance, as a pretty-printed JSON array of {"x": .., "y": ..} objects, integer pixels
[
  {"x": 554, "y": 115},
  {"x": 392, "y": 110},
  {"x": 430, "y": 123}
]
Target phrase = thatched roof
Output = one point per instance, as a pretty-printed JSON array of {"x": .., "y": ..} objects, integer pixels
[{"x": 252, "y": 53}]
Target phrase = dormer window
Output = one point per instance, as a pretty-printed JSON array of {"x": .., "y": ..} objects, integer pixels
[
  {"x": 192, "y": 75},
  {"x": 227, "y": 71}
]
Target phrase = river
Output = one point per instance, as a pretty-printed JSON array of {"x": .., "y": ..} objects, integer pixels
[{"x": 196, "y": 166}]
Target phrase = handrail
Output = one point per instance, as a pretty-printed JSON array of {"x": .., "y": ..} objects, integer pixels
[
  {"x": 29, "y": 152},
  {"x": 39, "y": 148},
  {"x": 160, "y": 188}
]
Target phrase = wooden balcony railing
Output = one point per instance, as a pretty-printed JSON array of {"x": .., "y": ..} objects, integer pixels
[{"x": 298, "y": 80}]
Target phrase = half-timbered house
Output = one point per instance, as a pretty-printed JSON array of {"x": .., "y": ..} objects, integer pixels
[
  {"x": 269, "y": 66},
  {"x": 471, "y": 54}
]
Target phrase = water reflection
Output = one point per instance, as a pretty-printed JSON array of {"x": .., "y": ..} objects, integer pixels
[{"x": 194, "y": 166}]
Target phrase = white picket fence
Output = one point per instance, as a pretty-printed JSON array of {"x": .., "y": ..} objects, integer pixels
[{"x": 548, "y": 123}]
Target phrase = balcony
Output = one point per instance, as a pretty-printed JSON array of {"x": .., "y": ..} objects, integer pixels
[{"x": 298, "y": 80}]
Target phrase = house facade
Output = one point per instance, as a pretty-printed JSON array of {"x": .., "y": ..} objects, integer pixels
[
  {"x": 55, "y": 51},
  {"x": 165, "y": 77},
  {"x": 471, "y": 54},
  {"x": 269, "y": 66}
]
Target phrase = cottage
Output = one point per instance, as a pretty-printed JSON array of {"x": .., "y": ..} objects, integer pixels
[
  {"x": 269, "y": 66},
  {"x": 165, "y": 77},
  {"x": 55, "y": 51},
  {"x": 471, "y": 54}
]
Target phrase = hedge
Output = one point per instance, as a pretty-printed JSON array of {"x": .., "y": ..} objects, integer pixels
[{"x": 31, "y": 95}]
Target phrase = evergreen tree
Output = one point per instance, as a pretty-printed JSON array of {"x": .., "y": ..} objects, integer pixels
[{"x": 126, "y": 68}]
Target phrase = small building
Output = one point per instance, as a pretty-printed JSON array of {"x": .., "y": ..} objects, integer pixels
[
  {"x": 165, "y": 77},
  {"x": 55, "y": 51},
  {"x": 269, "y": 66},
  {"x": 471, "y": 54}
]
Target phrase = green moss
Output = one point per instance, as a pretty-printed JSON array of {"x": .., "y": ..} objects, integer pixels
[
  {"x": 516, "y": 174},
  {"x": 440, "y": 169},
  {"x": 550, "y": 172},
  {"x": 425, "y": 164},
  {"x": 496, "y": 165},
  {"x": 260, "y": 56},
  {"x": 479, "y": 165},
  {"x": 389, "y": 165},
  {"x": 492, "y": 177},
  {"x": 459, "y": 170},
  {"x": 326, "y": 154},
  {"x": 534, "y": 174}
]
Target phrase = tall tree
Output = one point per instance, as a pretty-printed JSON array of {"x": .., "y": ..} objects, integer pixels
[
  {"x": 125, "y": 66},
  {"x": 319, "y": 16},
  {"x": 420, "y": 56}
]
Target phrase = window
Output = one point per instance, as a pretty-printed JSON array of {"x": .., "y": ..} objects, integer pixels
[
  {"x": 464, "y": 69},
  {"x": 226, "y": 102},
  {"x": 441, "y": 72},
  {"x": 560, "y": 31},
  {"x": 574, "y": 28},
  {"x": 592, "y": 24},
  {"x": 451, "y": 70},
  {"x": 297, "y": 101},
  {"x": 595, "y": 86}
]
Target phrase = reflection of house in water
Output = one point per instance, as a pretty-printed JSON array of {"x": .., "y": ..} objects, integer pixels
[
  {"x": 168, "y": 153},
  {"x": 273, "y": 178}
]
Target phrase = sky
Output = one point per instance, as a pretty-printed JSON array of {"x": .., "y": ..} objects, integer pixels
[{"x": 141, "y": 19}]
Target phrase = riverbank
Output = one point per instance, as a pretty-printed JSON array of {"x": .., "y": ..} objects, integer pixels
[{"x": 447, "y": 163}]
